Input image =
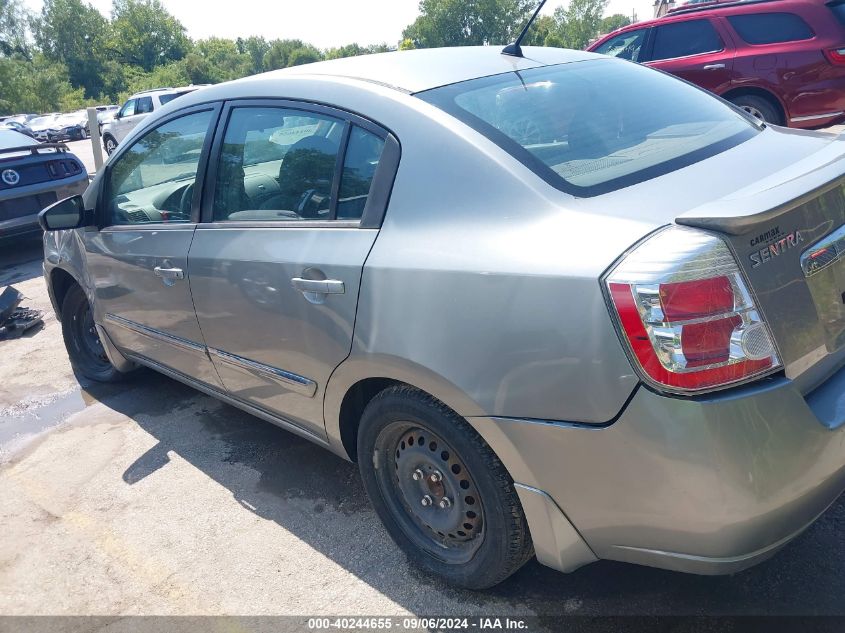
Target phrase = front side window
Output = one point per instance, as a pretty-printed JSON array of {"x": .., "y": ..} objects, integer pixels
[
  {"x": 128, "y": 108},
  {"x": 595, "y": 126},
  {"x": 770, "y": 28},
  {"x": 277, "y": 164},
  {"x": 153, "y": 180},
  {"x": 683, "y": 39},
  {"x": 627, "y": 45}
]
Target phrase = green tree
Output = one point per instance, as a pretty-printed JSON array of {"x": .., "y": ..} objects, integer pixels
[
  {"x": 580, "y": 22},
  {"x": 74, "y": 33},
  {"x": 256, "y": 48},
  {"x": 407, "y": 44},
  {"x": 613, "y": 22},
  {"x": 13, "y": 20},
  {"x": 36, "y": 85},
  {"x": 146, "y": 35},
  {"x": 304, "y": 55},
  {"x": 214, "y": 60},
  {"x": 467, "y": 22},
  {"x": 284, "y": 53}
]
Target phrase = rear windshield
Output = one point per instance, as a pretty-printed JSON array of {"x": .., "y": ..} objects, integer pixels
[
  {"x": 595, "y": 126},
  {"x": 11, "y": 138}
]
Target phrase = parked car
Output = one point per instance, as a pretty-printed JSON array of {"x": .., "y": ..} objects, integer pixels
[
  {"x": 33, "y": 176},
  {"x": 138, "y": 107},
  {"x": 105, "y": 114},
  {"x": 783, "y": 61},
  {"x": 18, "y": 127},
  {"x": 557, "y": 305},
  {"x": 72, "y": 126},
  {"x": 42, "y": 125}
]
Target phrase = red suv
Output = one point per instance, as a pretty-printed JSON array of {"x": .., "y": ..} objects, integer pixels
[{"x": 781, "y": 60}]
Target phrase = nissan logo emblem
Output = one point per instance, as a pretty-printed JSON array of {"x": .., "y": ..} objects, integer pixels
[{"x": 10, "y": 177}]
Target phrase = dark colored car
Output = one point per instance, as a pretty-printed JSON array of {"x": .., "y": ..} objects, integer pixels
[
  {"x": 33, "y": 175},
  {"x": 18, "y": 127},
  {"x": 782, "y": 61}
]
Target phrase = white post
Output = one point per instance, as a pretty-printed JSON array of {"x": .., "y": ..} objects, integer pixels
[{"x": 96, "y": 145}]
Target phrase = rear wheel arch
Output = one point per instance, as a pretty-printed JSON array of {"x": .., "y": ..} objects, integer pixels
[{"x": 762, "y": 93}]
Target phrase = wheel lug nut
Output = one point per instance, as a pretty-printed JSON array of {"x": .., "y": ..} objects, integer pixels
[
  {"x": 417, "y": 475},
  {"x": 426, "y": 501},
  {"x": 445, "y": 502},
  {"x": 436, "y": 476}
]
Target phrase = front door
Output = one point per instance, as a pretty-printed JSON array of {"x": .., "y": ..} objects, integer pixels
[
  {"x": 138, "y": 260},
  {"x": 276, "y": 267}
]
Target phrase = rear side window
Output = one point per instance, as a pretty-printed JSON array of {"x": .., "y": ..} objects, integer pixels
[
  {"x": 838, "y": 9},
  {"x": 770, "y": 28},
  {"x": 359, "y": 168},
  {"x": 683, "y": 39},
  {"x": 144, "y": 105},
  {"x": 167, "y": 98},
  {"x": 595, "y": 126}
]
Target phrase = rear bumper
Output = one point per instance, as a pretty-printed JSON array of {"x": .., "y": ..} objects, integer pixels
[
  {"x": 29, "y": 223},
  {"x": 711, "y": 486}
]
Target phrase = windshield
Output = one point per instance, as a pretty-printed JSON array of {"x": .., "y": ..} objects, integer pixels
[{"x": 595, "y": 126}]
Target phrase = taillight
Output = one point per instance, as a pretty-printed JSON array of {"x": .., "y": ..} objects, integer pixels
[
  {"x": 687, "y": 315},
  {"x": 63, "y": 168},
  {"x": 836, "y": 56}
]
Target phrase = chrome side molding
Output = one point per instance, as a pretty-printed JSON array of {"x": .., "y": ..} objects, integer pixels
[
  {"x": 295, "y": 382},
  {"x": 158, "y": 335}
]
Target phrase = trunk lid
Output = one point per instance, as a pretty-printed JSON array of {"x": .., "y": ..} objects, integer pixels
[{"x": 788, "y": 234}]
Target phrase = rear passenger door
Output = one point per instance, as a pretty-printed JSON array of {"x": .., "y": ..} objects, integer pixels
[
  {"x": 292, "y": 204},
  {"x": 694, "y": 50}
]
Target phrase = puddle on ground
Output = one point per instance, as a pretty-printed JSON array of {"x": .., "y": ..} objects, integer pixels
[{"x": 35, "y": 417}]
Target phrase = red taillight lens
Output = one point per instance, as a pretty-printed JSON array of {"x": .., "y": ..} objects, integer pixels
[
  {"x": 687, "y": 315},
  {"x": 836, "y": 56}
]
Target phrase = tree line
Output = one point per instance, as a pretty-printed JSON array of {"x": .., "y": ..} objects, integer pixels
[{"x": 70, "y": 55}]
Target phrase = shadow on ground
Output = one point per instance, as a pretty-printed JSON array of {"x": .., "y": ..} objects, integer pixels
[
  {"x": 808, "y": 577},
  {"x": 20, "y": 259}
]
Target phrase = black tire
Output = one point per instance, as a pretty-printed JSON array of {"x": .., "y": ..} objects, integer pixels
[
  {"x": 405, "y": 433},
  {"x": 84, "y": 348},
  {"x": 759, "y": 107},
  {"x": 109, "y": 144}
]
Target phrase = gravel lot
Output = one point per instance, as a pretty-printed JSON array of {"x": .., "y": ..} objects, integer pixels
[{"x": 150, "y": 498}]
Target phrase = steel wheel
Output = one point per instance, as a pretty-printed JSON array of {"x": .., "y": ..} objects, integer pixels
[
  {"x": 85, "y": 349},
  {"x": 442, "y": 494},
  {"x": 432, "y": 488}
]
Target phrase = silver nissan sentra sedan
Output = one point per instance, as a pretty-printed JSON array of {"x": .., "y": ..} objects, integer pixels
[{"x": 557, "y": 305}]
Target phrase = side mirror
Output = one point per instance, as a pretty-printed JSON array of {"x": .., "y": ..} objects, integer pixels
[{"x": 65, "y": 214}]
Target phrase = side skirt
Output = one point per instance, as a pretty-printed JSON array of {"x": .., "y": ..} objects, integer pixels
[{"x": 235, "y": 402}]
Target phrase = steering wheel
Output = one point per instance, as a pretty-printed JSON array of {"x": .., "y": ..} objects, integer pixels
[{"x": 186, "y": 201}]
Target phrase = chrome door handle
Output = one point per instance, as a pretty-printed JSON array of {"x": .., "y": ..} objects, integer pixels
[
  {"x": 714, "y": 67},
  {"x": 169, "y": 273},
  {"x": 319, "y": 286}
]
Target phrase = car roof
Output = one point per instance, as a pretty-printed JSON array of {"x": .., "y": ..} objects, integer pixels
[
  {"x": 423, "y": 69},
  {"x": 12, "y": 138},
  {"x": 704, "y": 10}
]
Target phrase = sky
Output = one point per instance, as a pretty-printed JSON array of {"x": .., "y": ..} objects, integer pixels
[{"x": 324, "y": 23}]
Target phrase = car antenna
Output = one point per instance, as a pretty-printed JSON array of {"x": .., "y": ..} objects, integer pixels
[{"x": 515, "y": 50}]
